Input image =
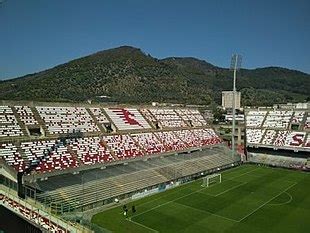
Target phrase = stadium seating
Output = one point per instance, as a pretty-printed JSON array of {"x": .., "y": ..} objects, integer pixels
[
  {"x": 63, "y": 120},
  {"x": 307, "y": 141},
  {"x": 188, "y": 137},
  {"x": 53, "y": 155},
  {"x": 130, "y": 181},
  {"x": 277, "y": 160},
  {"x": 123, "y": 146},
  {"x": 307, "y": 123},
  {"x": 279, "y": 128},
  {"x": 146, "y": 113},
  {"x": 74, "y": 150},
  {"x": 32, "y": 215},
  {"x": 12, "y": 157},
  {"x": 295, "y": 139},
  {"x": 269, "y": 137},
  {"x": 171, "y": 141},
  {"x": 26, "y": 115},
  {"x": 192, "y": 116},
  {"x": 167, "y": 118},
  {"x": 280, "y": 138},
  {"x": 278, "y": 119},
  {"x": 8, "y": 124},
  {"x": 298, "y": 117},
  {"x": 98, "y": 113},
  {"x": 90, "y": 150},
  {"x": 198, "y": 137},
  {"x": 149, "y": 142},
  {"x": 127, "y": 118},
  {"x": 48, "y": 155},
  {"x": 255, "y": 118},
  {"x": 208, "y": 136},
  {"x": 254, "y": 136}
]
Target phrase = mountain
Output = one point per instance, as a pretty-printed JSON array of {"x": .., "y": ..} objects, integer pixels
[{"x": 128, "y": 75}]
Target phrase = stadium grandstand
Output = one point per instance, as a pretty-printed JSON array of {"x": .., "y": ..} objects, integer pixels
[
  {"x": 58, "y": 159},
  {"x": 279, "y": 137}
]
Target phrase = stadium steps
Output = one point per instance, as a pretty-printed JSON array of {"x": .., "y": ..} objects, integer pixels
[
  {"x": 102, "y": 189},
  {"x": 290, "y": 122},
  {"x": 147, "y": 120},
  {"x": 263, "y": 122},
  {"x": 263, "y": 136},
  {"x": 186, "y": 122},
  {"x": 113, "y": 126},
  {"x": 103, "y": 143},
  {"x": 303, "y": 122},
  {"x": 307, "y": 138},
  {"x": 141, "y": 148},
  {"x": 102, "y": 129},
  {"x": 41, "y": 122},
  {"x": 22, "y": 153},
  {"x": 21, "y": 124},
  {"x": 73, "y": 154},
  {"x": 167, "y": 172}
]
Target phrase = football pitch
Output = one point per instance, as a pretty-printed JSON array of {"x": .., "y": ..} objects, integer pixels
[{"x": 250, "y": 198}]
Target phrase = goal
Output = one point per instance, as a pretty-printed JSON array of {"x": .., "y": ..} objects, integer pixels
[{"x": 211, "y": 179}]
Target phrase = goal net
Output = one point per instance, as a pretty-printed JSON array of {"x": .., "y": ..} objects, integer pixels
[{"x": 211, "y": 179}]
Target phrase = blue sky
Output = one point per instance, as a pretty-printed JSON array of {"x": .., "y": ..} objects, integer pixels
[{"x": 39, "y": 34}]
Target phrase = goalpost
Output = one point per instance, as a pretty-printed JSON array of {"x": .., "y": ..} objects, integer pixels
[{"x": 214, "y": 178}]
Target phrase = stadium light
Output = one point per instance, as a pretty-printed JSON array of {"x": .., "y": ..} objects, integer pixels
[{"x": 235, "y": 65}]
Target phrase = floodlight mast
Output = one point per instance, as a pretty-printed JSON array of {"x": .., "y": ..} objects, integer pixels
[{"x": 235, "y": 65}]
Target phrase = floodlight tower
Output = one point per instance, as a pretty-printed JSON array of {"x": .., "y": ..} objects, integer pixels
[{"x": 235, "y": 65}]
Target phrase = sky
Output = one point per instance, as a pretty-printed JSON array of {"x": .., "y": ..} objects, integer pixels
[{"x": 40, "y": 34}]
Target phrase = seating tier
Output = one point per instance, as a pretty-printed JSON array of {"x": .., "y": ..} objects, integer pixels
[
  {"x": 298, "y": 117},
  {"x": 98, "y": 113},
  {"x": 60, "y": 154},
  {"x": 254, "y": 136},
  {"x": 167, "y": 118},
  {"x": 171, "y": 141},
  {"x": 191, "y": 115},
  {"x": 149, "y": 142},
  {"x": 32, "y": 215},
  {"x": 12, "y": 157},
  {"x": 278, "y": 119},
  {"x": 127, "y": 118},
  {"x": 64, "y": 120},
  {"x": 123, "y": 146},
  {"x": 50, "y": 155},
  {"x": 307, "y": 123},
  {"x": 255, "y": 118},
  {"x": 8, "y": 124},
  {"x": 90, "y": 150},
  {"x": 26, "y": 115}
]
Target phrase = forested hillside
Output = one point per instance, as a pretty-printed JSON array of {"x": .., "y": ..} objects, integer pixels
[{"x": 128, "y": 75}]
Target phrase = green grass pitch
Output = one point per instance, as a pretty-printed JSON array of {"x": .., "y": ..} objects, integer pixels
[{"x": 250, "y": 199}]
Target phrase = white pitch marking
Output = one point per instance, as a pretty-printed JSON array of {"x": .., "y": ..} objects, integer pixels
[
  {"x": 208, "y": 212},
  {"x": 168, "y": 202},
  {"x": 252, "y": 212},
  {"x": 284, "y": 203},
  {"x": 139, "y": 224}
]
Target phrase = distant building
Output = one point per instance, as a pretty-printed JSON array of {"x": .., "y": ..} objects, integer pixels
[{"x": 227, "y": 99}]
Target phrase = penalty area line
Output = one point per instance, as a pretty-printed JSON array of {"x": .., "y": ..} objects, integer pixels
[
  {"x": 208, "y": 212},
  {"x": 141, "y": 225},
  {"x": 197, "y": 191},
  {"x": 284, "y": 203},
  {"x": 261, "y": 206}
]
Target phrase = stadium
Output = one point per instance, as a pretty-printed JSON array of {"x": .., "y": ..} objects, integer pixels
[
  {"x": 154, "y": 116},
  {"x": 86, "y": 167}
]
